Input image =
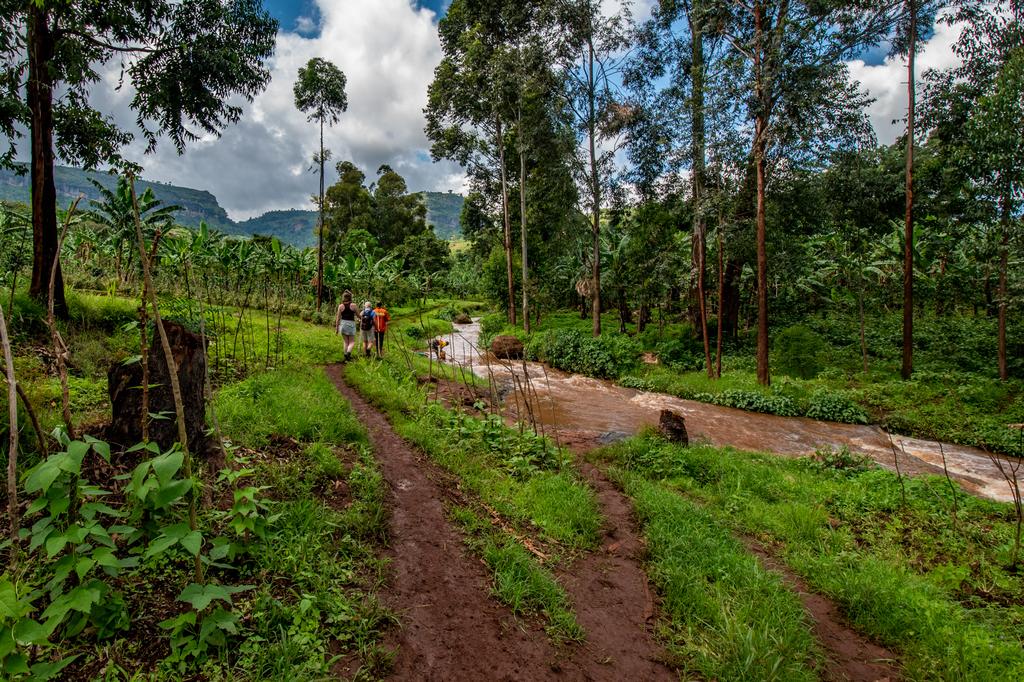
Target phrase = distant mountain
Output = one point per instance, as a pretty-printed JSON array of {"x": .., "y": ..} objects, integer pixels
[
  {"x": 70, "y": 182},
  {"x": 293, "y": 227},
  {"x": 443, "y": 212}
]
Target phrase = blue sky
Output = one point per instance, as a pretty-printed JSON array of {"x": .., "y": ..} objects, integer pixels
[{"x": 288, "y": 12}]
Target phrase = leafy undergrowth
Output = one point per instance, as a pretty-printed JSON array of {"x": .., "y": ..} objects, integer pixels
[
  {"x": 925, "y": 578},
  {"x": 521, "y": 478},
  {"x": 289, "y": 540}
]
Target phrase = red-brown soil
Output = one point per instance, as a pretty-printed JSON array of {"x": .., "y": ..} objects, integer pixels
[
  {"x": 851, "y": 657},
  {"x": 610, "y": 593},
  {"x": 450, "y": 627}
]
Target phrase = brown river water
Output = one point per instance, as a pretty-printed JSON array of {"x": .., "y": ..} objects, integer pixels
[{"x": 585, "y": 412}]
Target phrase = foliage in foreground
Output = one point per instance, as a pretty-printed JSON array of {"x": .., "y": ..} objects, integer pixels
[{"x": 289, "y": 543}]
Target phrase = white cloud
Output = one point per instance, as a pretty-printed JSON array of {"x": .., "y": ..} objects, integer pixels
[
  {"x": 887, "y": 82},
  {"x": 387, "y": 50}
]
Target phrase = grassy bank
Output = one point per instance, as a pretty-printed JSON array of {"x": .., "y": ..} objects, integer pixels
[
  {"x": 924, "y": 577},
  {"x": 289, "y": 537}
]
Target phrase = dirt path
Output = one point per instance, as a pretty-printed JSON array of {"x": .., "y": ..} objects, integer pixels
[
  {"x": 610, "y": 593},
  {"x": 450, "y": 627}
]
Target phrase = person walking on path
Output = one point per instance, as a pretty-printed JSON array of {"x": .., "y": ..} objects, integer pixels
[
  {"x": 366, "y": 332},
  {"x": 381, "y": 317},
  {"x": 345, "y": 323}
]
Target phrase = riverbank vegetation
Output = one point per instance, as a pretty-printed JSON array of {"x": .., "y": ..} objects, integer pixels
[{"x": 895, "y": 554}]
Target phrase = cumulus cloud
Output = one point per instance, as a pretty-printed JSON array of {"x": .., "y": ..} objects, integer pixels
[
  {"x": 387, "y": 49},
  {"x": 887, "y": 81}
]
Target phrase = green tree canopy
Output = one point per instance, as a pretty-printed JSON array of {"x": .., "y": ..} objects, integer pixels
[{"x": 184, "y": 60}]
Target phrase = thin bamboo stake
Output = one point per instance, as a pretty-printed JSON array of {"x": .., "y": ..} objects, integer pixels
[
  {"x": 144, "y": 351},
  {"x": 12, "y": 452},
  {"x": 59, "y": 347},
  {"x": 44, "y": 450},
  {"x": 172, "y": 370}
]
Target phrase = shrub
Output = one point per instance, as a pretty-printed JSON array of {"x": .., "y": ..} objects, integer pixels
[
  {"x": 680, "y": 355},
  {"x": 753, "y": 401},
  {"x": 604, "y": 357},
  {"x": 447, "y": 313},
  {"x": 798, "y": 351},
  {"x": 842, "y": 460},
  {"x": 635, "y": 382},
  {"x": 833, "y": 406},
  {"x": 490, "y": 325}
]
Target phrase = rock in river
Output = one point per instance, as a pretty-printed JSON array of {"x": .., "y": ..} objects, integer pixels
[
  {"x": 673, "y": 427},
  {"x": 507, "y": 347}
]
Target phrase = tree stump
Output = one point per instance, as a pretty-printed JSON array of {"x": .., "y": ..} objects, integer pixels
[
  {"x": 124, "y": 386},
  {"x": 507, "y": 348},
  {"x": 673, "y": 427}
]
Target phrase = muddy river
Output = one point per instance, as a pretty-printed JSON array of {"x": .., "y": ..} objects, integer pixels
[{"x": 582, "y": 412}]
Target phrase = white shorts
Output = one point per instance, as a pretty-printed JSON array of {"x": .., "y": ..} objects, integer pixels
[{"x": 347, "y": 327}]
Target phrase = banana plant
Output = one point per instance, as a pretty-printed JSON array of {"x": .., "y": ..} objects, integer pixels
[{"x": 115, "y": 212}]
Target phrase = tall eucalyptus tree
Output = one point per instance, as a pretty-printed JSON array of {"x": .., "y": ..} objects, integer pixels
[
  {"x": 592, "y": 50},
  {"x": 320, "y": 94}
]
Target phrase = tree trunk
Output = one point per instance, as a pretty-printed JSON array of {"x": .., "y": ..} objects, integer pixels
[
  {"x": 731, "y": 298},
  {"x": 624, "y": 313},
  {"x": 595, "y": 187},
  {"x": 908, "y": 230},
  {"x": 44, "y": 194},
  {"x": 320, "y": 229},
  {"x": 760, "y": 148},
  {"x": 863, "y": 336},
  {"x": 698, "y": 152},
  {"x": 721, "y": 299},
  {"x": 1004, "y": 250},
  {"x": 508, "y": 226},
  {"x": 522, "y": 232},
  {"x": 763, "y": 376}
]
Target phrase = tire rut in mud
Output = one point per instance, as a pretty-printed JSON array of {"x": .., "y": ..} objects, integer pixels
[
  {"x": 450, "y": 628},
  {"x": 851, "y": 657},
  {"x": 611, "y": 594}
]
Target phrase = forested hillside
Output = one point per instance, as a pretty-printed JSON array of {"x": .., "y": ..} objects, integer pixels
[
  {"x": 294, "y": 226},
  {"x": 197, "y": 205}
]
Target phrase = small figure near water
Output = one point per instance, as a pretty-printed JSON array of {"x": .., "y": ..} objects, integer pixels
[{"x": 437, "y": 346}]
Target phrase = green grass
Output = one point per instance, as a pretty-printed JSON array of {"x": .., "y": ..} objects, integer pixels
[
  {"x": 521, "y": 477},
  {"x": 725, "y": 617},
  {"x": 298, "y": 401},
  {"x": 934, "y": 589},
  {"x": 548, "y": 499},
  {"x": 316, "y": 574},
  {"x": 519, "y": 581}
]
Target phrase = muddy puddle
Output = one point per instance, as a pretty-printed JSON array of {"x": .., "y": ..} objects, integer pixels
[{"x": 586, "y": 412}]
